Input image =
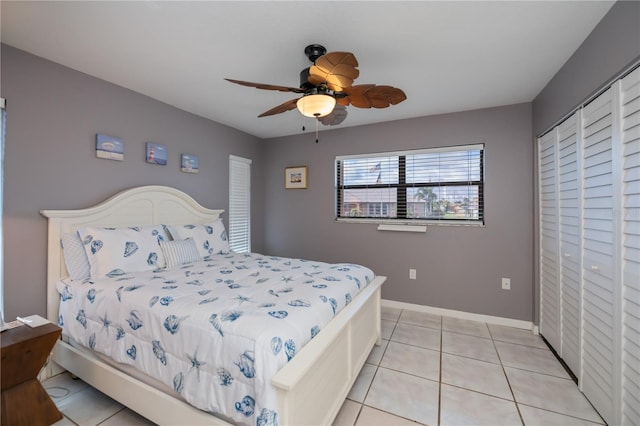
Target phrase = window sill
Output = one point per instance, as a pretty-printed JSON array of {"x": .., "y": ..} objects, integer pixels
[
  {"x": 401, "y": 228},
  {"x": 410, "y": 226}
]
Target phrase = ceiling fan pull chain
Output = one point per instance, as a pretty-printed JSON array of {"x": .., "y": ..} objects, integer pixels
[{"x": 317, "y": 121}]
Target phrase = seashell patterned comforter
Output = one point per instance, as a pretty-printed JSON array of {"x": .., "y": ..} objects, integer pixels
[{"x": 215, "y": 331}]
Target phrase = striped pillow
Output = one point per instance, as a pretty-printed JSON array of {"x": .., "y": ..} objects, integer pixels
[
  {"x": 179, "y": 252},
  {"x": 74, "y": 256}
]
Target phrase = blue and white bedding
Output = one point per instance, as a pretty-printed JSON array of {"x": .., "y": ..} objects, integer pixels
[{"x": 216, "y": 330}]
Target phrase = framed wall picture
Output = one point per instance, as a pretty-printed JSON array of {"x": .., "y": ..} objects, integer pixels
[
  {"x": 156, "y": 153},
  {"x": 189, "y": 163},
  {"x": 295, "y": 177},
  {"x": 109, "y": 147}
]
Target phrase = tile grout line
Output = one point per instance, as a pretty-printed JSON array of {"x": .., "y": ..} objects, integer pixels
[
  {"x": 378, "y": 366},
  {"x": 111, "y": 416},
  {"x": 542, "y": 374},
  {"x": 506, "y": 377},
  {"x": 364, "y": 398}
]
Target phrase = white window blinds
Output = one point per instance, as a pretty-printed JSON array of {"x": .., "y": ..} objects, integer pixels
[
  {"x": 239, "y": 204},
  {"x": 427, "y": 185}
]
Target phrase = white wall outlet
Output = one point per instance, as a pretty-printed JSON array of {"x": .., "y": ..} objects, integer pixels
[
  {"x": 506, "y": 283},
  {"x": 412, "y": 274}
]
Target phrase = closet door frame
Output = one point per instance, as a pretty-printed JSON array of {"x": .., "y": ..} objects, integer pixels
[{"x": 614, "y": 406}]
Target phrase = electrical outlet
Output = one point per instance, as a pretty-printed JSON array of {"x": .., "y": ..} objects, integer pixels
[
  {"x": 412, "y": 274},
  {"x": 506, "y": 283}
]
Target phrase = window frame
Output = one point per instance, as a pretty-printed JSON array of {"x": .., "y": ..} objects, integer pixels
[{"x": 402, "y": 201}]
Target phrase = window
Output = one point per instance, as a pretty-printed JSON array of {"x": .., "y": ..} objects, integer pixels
[
  {"x": 444, "y": 185},
  {"x": 239, "y": 204}
]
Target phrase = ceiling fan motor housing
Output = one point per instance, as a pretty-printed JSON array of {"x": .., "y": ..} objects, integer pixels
[{"x": 314, "y": 51}]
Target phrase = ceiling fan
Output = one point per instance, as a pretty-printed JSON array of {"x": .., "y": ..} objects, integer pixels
[{"x": 327, "y": 88}]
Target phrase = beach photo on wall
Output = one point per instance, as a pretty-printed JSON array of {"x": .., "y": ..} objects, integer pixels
[
  {"x": 156, "y": 153},
  {"x": 189, "y": 163},
  {"x": 109, "y": 147}
]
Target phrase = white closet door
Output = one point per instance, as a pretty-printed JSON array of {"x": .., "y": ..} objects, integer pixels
[
  {"x": 570, "y": 241},
  {"x": 598, "y": 257},
  {"x": 550, "y": 303},
  {"x": 630, "y": 97}
]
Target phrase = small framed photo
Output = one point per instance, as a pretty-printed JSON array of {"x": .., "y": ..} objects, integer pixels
[
  {"x": 295, "y": 177},
  {"x": 109, "y": 147},
  {"x": 156, "y": 153},
  {"x": 189, "y": 163}
]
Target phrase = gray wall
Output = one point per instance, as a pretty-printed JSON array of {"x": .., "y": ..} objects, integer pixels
[
  {"x": 457, "y": 267},
  {"x": 612, "y": 46},
  {"x": 53, "y": 114},
  {"x": 610, "y": 49}
]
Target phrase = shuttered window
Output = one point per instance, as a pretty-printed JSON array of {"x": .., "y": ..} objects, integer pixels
[
  {"x": 239, "y": 204},
  {"x": 429, "y": 185}
]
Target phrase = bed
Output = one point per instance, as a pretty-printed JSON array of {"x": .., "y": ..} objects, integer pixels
[{"x": 310, "y": 388}]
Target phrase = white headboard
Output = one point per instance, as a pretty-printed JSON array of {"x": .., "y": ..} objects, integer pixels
[{"x": 144, "y": 205}]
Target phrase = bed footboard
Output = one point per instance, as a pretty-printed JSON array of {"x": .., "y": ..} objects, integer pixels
[{"x": 311, "y": 390}]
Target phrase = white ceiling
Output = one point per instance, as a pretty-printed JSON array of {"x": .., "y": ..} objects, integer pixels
[{"x": 446, "y": 55}]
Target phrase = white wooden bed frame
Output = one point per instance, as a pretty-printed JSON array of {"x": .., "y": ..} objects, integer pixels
[{"x": 311, "y": 388}]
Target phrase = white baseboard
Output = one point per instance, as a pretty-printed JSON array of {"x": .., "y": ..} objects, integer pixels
[{"x": 509, "y": 322}]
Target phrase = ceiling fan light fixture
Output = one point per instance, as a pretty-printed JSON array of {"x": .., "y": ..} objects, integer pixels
[{"x": 316, "y": 105}]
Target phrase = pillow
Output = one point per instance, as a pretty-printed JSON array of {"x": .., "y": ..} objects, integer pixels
[
  {"x": 74, "y": 256},
  {"x": 210, "y": 238},
  {"x": 117, "y": 251},
  {"x": 179, "y": 252}
]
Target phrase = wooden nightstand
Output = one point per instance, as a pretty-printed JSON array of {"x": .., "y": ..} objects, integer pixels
[{"x": 24, "y": 350}]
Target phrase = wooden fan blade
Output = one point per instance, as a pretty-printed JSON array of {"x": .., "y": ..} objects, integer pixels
[
  {"x": 266, "y": 86},
  {"x": 335, "y": 69},
  {"x": 372, "y": 96},
  {"x": 336, "y": 116},
  {"x": 284, "y": 107},
  {"x": 356, "y": 97}
]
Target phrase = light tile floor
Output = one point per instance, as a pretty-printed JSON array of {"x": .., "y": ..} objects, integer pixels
[{"x": 429, "y": 370}]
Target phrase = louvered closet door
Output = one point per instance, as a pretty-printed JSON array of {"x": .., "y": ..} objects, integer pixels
[
  {"x": 570, "y": 242},
  {"x": 549, "y": 264},
  {"x": 630, "y": 97},
  {"x": 598, "y": 257}
]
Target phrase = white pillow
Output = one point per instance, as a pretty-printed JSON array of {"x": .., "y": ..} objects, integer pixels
[
  {"x": 210, "y": 238},
  {"x": 74, "y": 256},
  {"x": 179, "y": 252},
  {"x": 116, "y": 251}
]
